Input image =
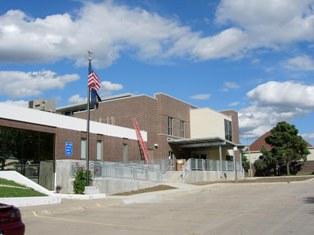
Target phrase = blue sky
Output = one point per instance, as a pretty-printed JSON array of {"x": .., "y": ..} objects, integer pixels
[{"x": 248, "y": 55}]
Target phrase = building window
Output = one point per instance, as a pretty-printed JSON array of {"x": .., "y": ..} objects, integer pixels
[
  {"x": 182, "y": 128},
  {"x": 99, "y": 150},
  {"x": 228, "y": 130},
  {"x": 125, "y": 153},
  {"x": 83, "y": 148},
  {"x": 170, "y": 125}
]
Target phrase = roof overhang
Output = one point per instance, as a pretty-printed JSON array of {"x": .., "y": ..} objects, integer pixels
[{"x": 203, "y": 143}]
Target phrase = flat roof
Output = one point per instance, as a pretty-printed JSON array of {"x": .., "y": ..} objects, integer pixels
[
  {"x": 38, "y": 117},
  {"x": 84, "y": 104},
  {"x": 203, "y": 142}
]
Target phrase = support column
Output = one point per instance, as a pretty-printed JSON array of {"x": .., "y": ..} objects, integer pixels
[
  {"x": 220, "y": 161},
  {"x": 235, "y": 149}
]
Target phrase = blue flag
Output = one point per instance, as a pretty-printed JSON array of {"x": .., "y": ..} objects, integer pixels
[{"x": 94, "y": 99}]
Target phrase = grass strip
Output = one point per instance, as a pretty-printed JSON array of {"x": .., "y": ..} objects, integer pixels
[
  {"x": 10, "y": 182},
  {"x": 19, "y": 192}
]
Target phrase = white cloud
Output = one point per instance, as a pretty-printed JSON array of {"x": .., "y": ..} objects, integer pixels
[
  {"x": 233, "y": 104},
  {"x": 150, "y": 36},
  {"x": 20, "y": 103},
  {"x": 272, "y": 102},
  {"x": 76, "y": 99},
  {"x": 200, "y": 96},
  {"x": 302, "y": 63},
  {"x": 269, "y": 23},
  {"x": 230, "y": 86},
  {"x": 23, "y": 84},
  {"x": 110, "y": 86},
  {"x": 284, "y": 94},
  {"x": 247, "y": 25},
  {"x": 255, "y": 120}
]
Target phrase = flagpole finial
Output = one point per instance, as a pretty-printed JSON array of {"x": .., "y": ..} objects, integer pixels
[{"x": 90, "y": 54}]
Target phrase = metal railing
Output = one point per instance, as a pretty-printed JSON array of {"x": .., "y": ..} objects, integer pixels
[
  {"x": 135, "y": 171},
  {"x": 210, "y": 165}
]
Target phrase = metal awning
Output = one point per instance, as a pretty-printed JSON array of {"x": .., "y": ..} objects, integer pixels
[{"x": 203, "y": 143}]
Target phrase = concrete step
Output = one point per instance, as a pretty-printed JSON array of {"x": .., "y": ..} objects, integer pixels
[{"x": 89, "y": 190}]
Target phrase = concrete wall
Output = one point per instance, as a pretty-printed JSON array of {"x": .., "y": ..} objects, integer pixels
[
  {"x": 112, "y": 185},
  {"x": 207, "y": 123},
  {"x": 201, "y": 176},
  {"x": 310, "y": 157},
  {"x": 253, "y": 156},
  {"x": 64, "y": 178},
  {"x": 207, "y": 176}
]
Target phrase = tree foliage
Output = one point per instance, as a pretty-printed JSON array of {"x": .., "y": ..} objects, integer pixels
[
  {"x": 245, "y": 163},
  {"x": 287, "y": 148}
]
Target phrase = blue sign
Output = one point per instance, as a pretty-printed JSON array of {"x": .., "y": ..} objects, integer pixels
[{"x": 68, "y": 149}]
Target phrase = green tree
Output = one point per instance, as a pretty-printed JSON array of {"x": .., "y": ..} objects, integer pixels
[
  {"x": 80, "y": 180},
  {"x": 245, "y": 163},
  {"x": 287, "y": 145}
]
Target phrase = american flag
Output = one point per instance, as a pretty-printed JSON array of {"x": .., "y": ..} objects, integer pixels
[{"x": 93, "y": 81}]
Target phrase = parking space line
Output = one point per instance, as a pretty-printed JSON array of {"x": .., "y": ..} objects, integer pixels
[{"x": 95, "y": 223}]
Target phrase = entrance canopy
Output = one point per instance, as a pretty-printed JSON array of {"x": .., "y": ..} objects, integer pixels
[{"x": 203, "y": 143}]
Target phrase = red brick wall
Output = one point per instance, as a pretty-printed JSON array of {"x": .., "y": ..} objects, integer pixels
[
  {"x": 235, "y": 125},
  {"x": 152, "y": 115},
  {"x": 112, "y": 146}
]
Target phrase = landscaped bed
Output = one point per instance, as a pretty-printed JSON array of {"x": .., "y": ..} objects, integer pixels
[
  {"x": 9, "y": 188},
  {"x": 146, "y": 190}
]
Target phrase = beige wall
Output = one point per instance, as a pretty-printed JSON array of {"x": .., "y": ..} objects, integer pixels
[
  {"x": 310, "y": 157},
  {"x": 206, "y": 123},
  {"x": 254, "y": 155}
]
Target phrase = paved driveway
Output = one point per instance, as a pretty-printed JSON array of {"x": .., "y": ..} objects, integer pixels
[{"x": 259, "y": 208}]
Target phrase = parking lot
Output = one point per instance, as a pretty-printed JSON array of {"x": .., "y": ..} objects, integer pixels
[{"x": 254, "y": 208}]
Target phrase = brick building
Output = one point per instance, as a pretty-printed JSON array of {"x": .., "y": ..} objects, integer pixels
[
  {"x": 39, "y": 144},
  {"x": 34, "y": 142},
  {"x": 167, "y": 121}
]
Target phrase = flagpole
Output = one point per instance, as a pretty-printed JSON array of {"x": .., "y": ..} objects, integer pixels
[{"x": 88, "y": 118}]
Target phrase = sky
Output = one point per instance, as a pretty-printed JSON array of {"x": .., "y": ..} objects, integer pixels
[{"x": 252, "y": 56}]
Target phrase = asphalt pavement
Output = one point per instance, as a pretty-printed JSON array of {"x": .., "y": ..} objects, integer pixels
[{"x": 253, "y": 208}]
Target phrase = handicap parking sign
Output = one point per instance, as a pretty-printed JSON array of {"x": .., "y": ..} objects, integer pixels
[{"x": 68, "y": 149}]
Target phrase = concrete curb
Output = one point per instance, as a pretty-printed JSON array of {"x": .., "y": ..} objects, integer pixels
[
  {"x": 30, "y": 201},
  {"x": 80, "y": 196}
]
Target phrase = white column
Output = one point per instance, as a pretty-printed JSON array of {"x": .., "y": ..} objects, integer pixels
[{"x": 220, "y": 160}]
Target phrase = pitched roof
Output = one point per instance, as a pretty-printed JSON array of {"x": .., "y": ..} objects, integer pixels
[{"x": 260, "y": 142}]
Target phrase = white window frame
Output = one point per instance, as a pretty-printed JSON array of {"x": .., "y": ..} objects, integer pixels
[{"x": 99, "y": 150}]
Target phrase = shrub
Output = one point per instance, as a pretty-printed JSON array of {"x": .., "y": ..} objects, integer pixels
[{"x": 80, "y": 181}]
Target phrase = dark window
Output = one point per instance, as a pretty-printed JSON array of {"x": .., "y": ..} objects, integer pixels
[
  {"x": 228, "y": 130},
  {"x": 182, "y": 128},
  {"x": 170, "y": 126}
]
